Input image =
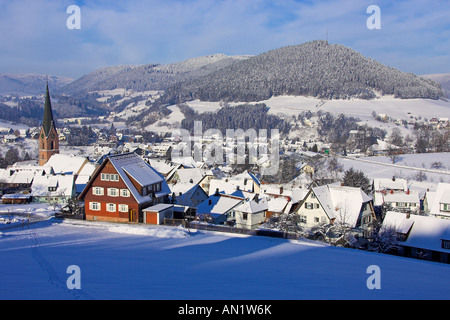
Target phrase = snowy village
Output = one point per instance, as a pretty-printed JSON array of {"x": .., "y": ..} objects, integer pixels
[
  {"x": 225, "y": 158},
  {"x": 138, "y": 184}
]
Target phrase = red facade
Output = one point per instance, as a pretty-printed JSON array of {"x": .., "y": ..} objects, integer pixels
[{"x": 117, "y": 197}]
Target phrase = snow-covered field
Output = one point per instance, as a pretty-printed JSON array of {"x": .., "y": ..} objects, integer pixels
[
  {"x": 395, "y": 108},
  {"x": 407, "y": 166},
  {"x": 139, "y": 262}
]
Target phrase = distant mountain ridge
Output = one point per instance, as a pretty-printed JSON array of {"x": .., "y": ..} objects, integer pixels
[
  {"x": 150, "y": 76},
  {"x": 30, "y": 84}
]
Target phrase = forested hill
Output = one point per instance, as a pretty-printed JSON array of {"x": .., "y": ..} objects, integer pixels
[{"x": 316, "y": 69}]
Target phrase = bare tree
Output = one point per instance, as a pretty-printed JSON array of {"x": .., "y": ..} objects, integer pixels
[
  {"x": 288, "y": 223},
  {"x": 384, "y": 240}
]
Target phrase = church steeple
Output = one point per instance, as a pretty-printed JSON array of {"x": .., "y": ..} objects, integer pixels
[
  {"x": 48, "y": 138},
  {"x": 48, "y": 122}
]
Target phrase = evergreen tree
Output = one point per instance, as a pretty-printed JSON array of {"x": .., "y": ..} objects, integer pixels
[{"x": 357, "y": 179}]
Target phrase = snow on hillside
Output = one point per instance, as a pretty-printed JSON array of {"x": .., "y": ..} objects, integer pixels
[
  {"x": 407, "y": 166},
  {"x": 399, "y": 109},
  {"x": 123, "y": 262}
]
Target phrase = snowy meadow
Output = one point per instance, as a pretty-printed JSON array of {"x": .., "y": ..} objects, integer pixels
[{"x": 137, "y": 262}]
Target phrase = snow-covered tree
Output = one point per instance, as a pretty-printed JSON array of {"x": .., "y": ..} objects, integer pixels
[
  {"x": 383, "y": 240},
  {"x": 288, "y": 223}
]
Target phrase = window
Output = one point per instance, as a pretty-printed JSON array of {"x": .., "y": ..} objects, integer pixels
[
  {"x": 105, "y": 177},
  {"x": 98, "y": 191},
  {"x": 244, "y": 216},
  {"x": 95, "y": 206},
  {"x": 445, "y": 244},
  {"x": 124, "y": 193},
  {"x": 113, "y": 192},
  {"x": 366, "y": 219},
  {"x": 113, "y": 177},
  {"x": 111, "y": 207},
  {"x": 316, "y": 219},
  {"x": 309, "y": 205},
  {"x": 158, "y": 187},
  {"x": 123, "y": 208},
  {"x": 303, "y": 219},
  {"x": 445, "y": 206}
]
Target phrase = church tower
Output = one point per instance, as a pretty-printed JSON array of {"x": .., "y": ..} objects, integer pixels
[{"x": 48, "y": 137}]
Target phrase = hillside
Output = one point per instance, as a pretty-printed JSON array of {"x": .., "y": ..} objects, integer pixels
[
  {"x": 316, "y": 69},
  {"x": 29, "y": 84},
  {"x": 150, "y": 76},
  {"x": 443, "y": 79},
  {"x": 147, "y": 262}
]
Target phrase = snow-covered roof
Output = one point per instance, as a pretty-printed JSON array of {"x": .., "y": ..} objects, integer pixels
[
  {"x": 342, "y": 203},
  {"x": 390, "y": 184},
  {"x": 187, "y": 197},
  {"x": 252, "y": 206},
  {"x": 131, "y": 165},
  {"x": 162, "y": 167},
  {"x": 158, "y": 207},
  {"x": 277, "y": 204},
  {"x": 67, "y": 164},
  {"x": 244, "y": 182},
  {"x": 18, "y": 177},
  {"x": 425, "y": 232},
  {"x": 189, "y": 175},
  {"x": 408, "y": 197},
  {"x": 217, "y": 205},
  {"x": 64, "y": 185}
]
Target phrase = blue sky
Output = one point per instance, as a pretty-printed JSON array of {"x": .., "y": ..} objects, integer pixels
[{"x": 414, "y": 35}]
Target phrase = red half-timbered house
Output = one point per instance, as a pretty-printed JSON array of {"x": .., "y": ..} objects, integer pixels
[{"x": 121, "y": 187}]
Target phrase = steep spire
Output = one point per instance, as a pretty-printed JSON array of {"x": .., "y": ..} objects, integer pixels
[{"x": 48, "y": 123}]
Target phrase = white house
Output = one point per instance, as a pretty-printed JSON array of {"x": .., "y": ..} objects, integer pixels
[
  {"x": 408, "y": 201},
  {"x": 53, "y": 188},
  {"x": 423, "y": 237},
  {"x": 440, "y": 203},
  {"x": 251, "y": 213},
  {"x": 330, "y": 204}
]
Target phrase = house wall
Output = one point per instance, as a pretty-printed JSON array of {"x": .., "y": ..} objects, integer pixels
[
  {"x": 310, "y": 217},
  {"x": 252, "y": 222},
  {"x": 103, "y": 214}
]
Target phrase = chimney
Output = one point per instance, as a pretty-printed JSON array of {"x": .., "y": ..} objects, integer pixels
[
  {"x": 209, "y": 202},
  {"x": 217, "y": 192},
  {"x": 281, "y": 190},
  {"x": 408, "y": 215}
]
